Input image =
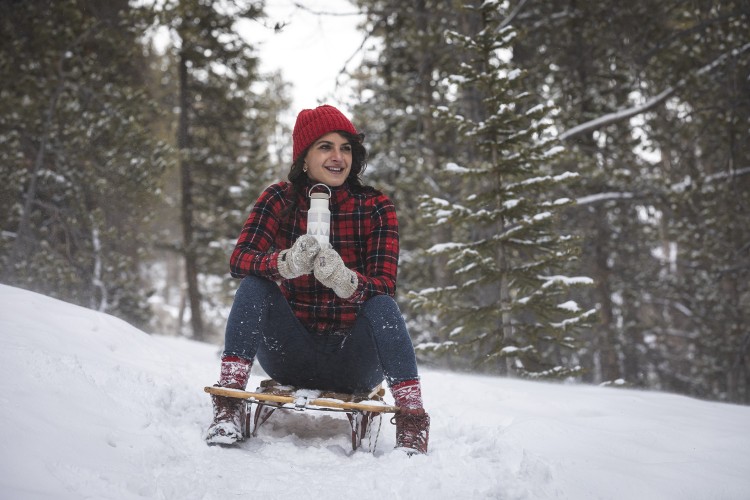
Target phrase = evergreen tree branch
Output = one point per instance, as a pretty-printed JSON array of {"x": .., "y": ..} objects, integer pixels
[
  {"x": 627, "y": 113},
  {"x": 602, "y": 197}
]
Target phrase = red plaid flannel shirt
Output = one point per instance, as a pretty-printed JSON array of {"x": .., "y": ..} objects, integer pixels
[{"x": 364, "y": 231}]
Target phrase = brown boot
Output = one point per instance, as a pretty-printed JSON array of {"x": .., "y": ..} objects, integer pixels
[
  {"x": 229, "y": 413},
  {"x": 412, "y": 430}
]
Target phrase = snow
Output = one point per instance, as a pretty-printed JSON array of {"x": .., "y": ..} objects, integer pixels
[
  {"x": 439, "y": 248},
  {"x": 91, "y": 407},
  {"x": 570, "y": 305},
  {"x": 455, "y": 168},
  {"x": 565, "y": 280}
]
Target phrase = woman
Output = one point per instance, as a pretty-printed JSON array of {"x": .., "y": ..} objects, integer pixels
[{"x": 321, "y": 317}]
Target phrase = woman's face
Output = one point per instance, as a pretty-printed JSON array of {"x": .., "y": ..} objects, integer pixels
[{"x": 329, "y": 160}]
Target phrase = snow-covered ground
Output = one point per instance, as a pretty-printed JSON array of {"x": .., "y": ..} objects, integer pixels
[{"x": 91, "y": 407}]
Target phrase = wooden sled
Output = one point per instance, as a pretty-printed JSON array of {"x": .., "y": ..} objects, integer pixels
[{"x": 360, "y": 409}]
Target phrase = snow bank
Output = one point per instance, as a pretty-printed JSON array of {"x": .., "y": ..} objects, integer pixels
[{"x": 91, "y": 407}]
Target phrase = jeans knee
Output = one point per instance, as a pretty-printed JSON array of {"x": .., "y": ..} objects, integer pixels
[
  {"x": 381, "y": 307},
  {"x": 255, "y": 286}
]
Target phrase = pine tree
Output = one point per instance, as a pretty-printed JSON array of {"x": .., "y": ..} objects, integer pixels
[
  {"x": 223, "y": 131},
  {"x": 581, "y": 55},
  {"x": 80, "y": 161},
  {"x": 398, "y": 89},
  {"x": 704, "y": 207},
  {"x": 652, "y": 110},
  {"x": 509, "y": 306}
]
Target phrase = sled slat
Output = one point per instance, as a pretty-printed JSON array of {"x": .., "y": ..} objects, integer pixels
[{"x": 322, "y": 402}]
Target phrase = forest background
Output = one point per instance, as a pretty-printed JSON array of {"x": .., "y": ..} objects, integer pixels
[{"x": 572, "y": 178}]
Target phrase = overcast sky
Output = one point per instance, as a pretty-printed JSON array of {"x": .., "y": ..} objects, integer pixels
[{"x": 311, "y": 49}]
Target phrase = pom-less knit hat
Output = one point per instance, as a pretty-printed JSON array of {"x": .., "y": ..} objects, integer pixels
[{"x": 314, "y": 123}]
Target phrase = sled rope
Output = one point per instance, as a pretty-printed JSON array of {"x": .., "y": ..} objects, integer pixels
[{"x": 372, "y": 445}]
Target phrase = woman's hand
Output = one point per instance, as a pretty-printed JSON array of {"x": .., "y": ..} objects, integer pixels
[
  {"x": 299, "y": 259},
  {"x": 331, "y": 271}
]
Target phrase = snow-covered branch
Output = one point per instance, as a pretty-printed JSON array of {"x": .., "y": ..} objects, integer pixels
[
  {"x": 624, "y": 114},
  {"x": 599, "y": 197},
  {"x": 617, "y": 116},
  {"x": 512, "y": 15},
  {"x": 725, "y": 175}
]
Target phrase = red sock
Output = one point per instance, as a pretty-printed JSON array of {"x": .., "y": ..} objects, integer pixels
[
  {"x": 408, "y": 394},
  {"x": 234, "y": 372}
]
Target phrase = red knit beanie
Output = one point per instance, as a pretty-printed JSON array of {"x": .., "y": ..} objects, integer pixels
[{"x": 314, "y": 123}]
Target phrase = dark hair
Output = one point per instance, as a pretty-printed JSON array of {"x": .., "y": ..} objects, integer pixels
[{"x": 298, "y": 177}]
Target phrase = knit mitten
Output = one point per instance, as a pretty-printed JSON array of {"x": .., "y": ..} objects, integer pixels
[
  {"x": 330, "y": 270},
  {"x": 298, "y": 260}
]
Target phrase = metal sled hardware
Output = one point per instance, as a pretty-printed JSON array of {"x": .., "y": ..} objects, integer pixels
[{"x": 360, "y": 409}]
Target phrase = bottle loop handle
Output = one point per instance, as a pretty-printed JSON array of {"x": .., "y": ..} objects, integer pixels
[{"x": 309, "y": 192}]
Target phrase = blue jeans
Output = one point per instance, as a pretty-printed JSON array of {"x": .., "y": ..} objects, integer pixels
[{"x": 262, "y": 323}]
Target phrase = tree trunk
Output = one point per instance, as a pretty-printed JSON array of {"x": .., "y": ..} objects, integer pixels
[
  {"x": 605, "y": 345},
  {"x": 22, "y": 245},
  {"x": 191, "y": 265}
]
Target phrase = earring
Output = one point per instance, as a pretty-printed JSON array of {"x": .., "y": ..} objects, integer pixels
[{"x": 304, "y": 169}]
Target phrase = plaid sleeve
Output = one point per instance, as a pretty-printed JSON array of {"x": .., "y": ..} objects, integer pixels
[
  {"x": 381, "y": 264},
  {"x": 255, "y": 252}
]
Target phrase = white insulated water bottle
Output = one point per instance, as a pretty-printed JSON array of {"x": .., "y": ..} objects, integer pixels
[{"x": 319, "y": 216}]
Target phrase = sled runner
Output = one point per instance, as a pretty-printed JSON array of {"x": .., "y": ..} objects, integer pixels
[{"x": 360, "y": 409}]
